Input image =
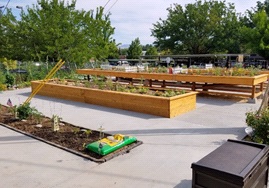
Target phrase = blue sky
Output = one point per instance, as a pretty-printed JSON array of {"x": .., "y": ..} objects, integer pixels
[{"x": 131, "y": 18}]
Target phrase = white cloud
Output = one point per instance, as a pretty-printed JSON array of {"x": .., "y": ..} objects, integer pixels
[{"x": 133, "y": 18}]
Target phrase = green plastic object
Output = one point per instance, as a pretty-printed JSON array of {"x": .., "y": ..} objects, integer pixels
[{"x": 109, "y": 144}]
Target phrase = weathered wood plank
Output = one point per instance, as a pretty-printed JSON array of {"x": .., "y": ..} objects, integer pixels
[{"x": 155, "y": 105}]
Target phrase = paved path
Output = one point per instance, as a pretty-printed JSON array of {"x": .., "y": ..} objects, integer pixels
[{"x": 164, "y": 160}]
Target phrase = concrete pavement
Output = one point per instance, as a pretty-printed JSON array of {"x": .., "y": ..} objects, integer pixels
[{"x": 163, "y": 160}]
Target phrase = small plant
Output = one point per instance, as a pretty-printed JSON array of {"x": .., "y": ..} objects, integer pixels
[
  {"x": 162, "y": 69},
  {"x": 198, "y": 71},
  {"x": 76, "y": 130},
  {"x": 217, "y": 71},
  {"x": 87, "y": 84},
  {"x": 182, "y": 92},
  {"x": 37, "y": 116},
  {"x": 172, "y": 93},
  {"x": 158, "y": 93},
  {"x": 253, "y": 71},
  {"x": 209, "y": 71},
  {"x": 119, "y": 87},
  {"x": 56, "y": 116},
  {"x": 151, "y": 70},
  {"x": 99, "y": 81},
  {"x": 260, "y": 125},
  {"x": 143, "y": 90},
  {"x": 109, "y": 84},
  {"x": 88, "y": 132},
  {"x": 169, "y": 93},
  {"x": 101, "y": 85},
  {"x": 238, "y": 71},
  {"x": 13, "y": 111},
  {"x": 25, "y": 111},
  {"x": 132, "y": 89},
  {"x": 77, "y": 83}
]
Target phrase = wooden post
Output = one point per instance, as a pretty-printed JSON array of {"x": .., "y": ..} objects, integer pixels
[
  {"x": 163, "y": 85},
  {"x": 205, "y": 89},
  {"x": 150, "y": 82},
  {"x": 253, "y": 92},
  {"x": 193, "y": 86},
  {"x": 261, "y": 86}
]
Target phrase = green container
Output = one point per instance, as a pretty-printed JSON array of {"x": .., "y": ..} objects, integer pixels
[{"x": 110, "y": 144}]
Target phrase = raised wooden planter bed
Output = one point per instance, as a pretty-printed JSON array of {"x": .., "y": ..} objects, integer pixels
[
  {"x": 246, "y": 86},
  {"x": 161, "y": 106}
]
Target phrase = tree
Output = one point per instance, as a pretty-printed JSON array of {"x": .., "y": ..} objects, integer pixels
[
  {"x": 53, "y": 30},
  {"x": 263, "y": 6},
  {"x": 123, "y": 51},
  {"x": 151, "y": 50},
  {"x": 135, "y": 49},
  {"x": 257, "y": 37},
  {"x": 207, "y": 27},
  {"x": 7, "y": 32}
]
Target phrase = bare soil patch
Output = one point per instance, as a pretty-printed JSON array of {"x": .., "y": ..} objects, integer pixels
[{"x": 70, "y": 137}]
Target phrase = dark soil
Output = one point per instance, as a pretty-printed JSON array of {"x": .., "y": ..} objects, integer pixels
[{"x": 70, "y": 137}]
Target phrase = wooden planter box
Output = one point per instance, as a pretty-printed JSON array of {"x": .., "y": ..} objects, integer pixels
[
  {"x": 234, "y": 85},
  {"x": 238, "y": 80},
  {"x": 161, "y": 106}
]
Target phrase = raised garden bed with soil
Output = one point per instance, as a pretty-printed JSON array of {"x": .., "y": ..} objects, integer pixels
[
  {"x": 70, "y": 138},
  {"x": 149, "y": 104},
  {"x": 238, "y": 84}
]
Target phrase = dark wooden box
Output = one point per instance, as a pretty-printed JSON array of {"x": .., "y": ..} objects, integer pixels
[{"x": 234, "y": 164}]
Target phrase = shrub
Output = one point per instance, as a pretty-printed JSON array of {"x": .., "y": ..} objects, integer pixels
[
  {"x": 25, "y": 111},
  {"x": 3, "y": 87},
  {"x": 10, "y": 80},
  {"x": 260, "y": 125},
  {"x": 2, "y": 78}
]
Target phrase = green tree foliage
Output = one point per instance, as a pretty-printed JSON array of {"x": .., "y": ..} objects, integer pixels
[
  {"x": 123, "y": 51},
  {"x": 151, "y": 50},
  {"x": 53, "y": 30},
  {"x": 8, "y": 64},
  {"x": 263, "y": 5},
  {"x": 2, "y": 80},
  {"x": 7, "y": 34},
  {"x": 255, "y": 29},
  {"x": 202, "y": 27},
  {"x": 135, "y": 49}
]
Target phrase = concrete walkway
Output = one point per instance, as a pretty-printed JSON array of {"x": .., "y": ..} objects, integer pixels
[{"x": 164, "y": 160}]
